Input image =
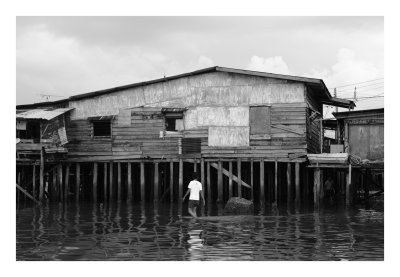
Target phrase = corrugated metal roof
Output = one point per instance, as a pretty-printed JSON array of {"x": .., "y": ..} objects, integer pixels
[{"x": 46, "y": 114}]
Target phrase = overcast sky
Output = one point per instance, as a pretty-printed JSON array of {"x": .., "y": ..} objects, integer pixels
[{"x": 64, "y": 56}]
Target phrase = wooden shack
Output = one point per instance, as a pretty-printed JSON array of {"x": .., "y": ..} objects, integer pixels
[{"x": 247, "y": 133}]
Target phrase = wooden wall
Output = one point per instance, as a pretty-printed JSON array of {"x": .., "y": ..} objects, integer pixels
[{"x": 313, "y": 129}]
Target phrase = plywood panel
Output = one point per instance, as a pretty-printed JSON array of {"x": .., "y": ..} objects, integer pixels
[
  {"x": 222, "y": 116},
  {"x": 367, "y": 141},
  {"x": 228, "y": 136},
  {"x": 260, "y": 120}
]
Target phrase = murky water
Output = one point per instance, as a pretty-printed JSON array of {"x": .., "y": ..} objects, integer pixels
[{"x": 149, "y": 232}]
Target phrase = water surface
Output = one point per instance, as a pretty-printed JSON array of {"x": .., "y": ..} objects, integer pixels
[{"x": 136, "y": 232}]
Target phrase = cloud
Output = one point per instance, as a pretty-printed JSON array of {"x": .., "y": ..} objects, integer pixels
[
  {"x": 271, "y": 65},
  {"x": 348, "y": 69}
]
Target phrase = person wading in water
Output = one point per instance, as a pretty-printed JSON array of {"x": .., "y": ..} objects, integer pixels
[{"x": 195, "y": 190}]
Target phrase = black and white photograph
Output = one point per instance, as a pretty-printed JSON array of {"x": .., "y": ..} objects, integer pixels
[{"x": 206, "y": 138}]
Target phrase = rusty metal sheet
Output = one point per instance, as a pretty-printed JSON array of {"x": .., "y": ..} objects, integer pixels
[
  {"x": 228, "y": 136},
  {"x": 367, "y": 141},
  {"x": 46, "y": 114}
]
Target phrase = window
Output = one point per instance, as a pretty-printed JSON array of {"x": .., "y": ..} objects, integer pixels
[
  {"x": 101, "y": 128},
  {"x": 173, "y": 119}
]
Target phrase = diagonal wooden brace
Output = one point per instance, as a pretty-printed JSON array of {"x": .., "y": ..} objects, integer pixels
[{"x": 226, "y": 173}]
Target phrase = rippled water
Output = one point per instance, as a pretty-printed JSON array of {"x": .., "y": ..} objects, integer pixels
[{"x": 160, "y": 232}]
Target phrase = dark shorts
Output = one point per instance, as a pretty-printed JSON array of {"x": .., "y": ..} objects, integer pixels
[{"x": 194, "y": 203}]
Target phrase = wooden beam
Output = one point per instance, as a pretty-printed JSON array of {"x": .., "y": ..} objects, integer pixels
[
  {"x": 348, "y": 186},
  {"x": 66, "y": 189},
  {"x": 34, "y": 181},
  {"x": 41, "y": 177},
  {"x": 60, "y": 181},
  {"x": 180, "y": 190},
  {"x": 95, "y": 182},
  {"x": 289, "y": 182},
  {"x": 111, "y": 193},
  {"x": 208, "y": 183},
  {"x": 230, "y": 180},
  {"x": 297, "y": 183},
  {"x": 129, "y": 181},
  {"x": 239, "y": 165},
  {"x": 119, "y": 187},
  {"x": 262, "y": 182},
  {"x": 276, "y": 182},
  {"x": 317, "y": 185},
  {"x": 219, "y": 184},
  {"x": 142, "y": 188},
  {"x": 226, "y": 173},
  {"x": 27, "y": 194},
  {"x": 78, "y": 181},
  {"x": 171, "y": 181},
  {"x": 156, "y": 182},
  {"x": 252, "y": 179},
  {"x": 202, "y": 172},
  {"x": 105, "y": 190}
]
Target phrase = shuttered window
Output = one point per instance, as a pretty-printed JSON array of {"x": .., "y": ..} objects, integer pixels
[{"x": 260, "y": 120}]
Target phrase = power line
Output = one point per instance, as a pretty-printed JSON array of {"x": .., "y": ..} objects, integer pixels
[
  {"x": 356, "y": 83},
  {"x": 358, "y": 90}
]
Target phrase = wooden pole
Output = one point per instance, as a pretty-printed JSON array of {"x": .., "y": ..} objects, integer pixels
[
  {"x": 317, "y": 184},
  {"x": 252, "y": 179},
  {"x": 66, "y": 190},
  {"x": 230, "y": 180},
  {"x": 60, "y": 181},
  {"x": 142, "y": 188},
  {"x": 34, "y": 181},
  {"x": 276, "y": 182},
  {"x": 78, "y": 181},
  {"x": 348, "y": 185},
  {"x": 195, "y": 165},
  {"x": 95, "y": 182},
  {"x": 156, "y": 182},
  {"x": 171, "y": 181},
  {"x": 239, "y": 165},
  {"x": 111, "y": 194},
  {"x": 297, "y": 182},
  {"x": 54, "y": 191},
  {"x": 105, "y": 183},
  {"x": 320, "y": 189},
  {"x": 289, "y": 183},
  {"x": 180, "y": 180},
  {"x": 41, "y": 177},
  {"x": 208, "y": 183},
  {"x": 220, "y": 196},
  {"x": 129, "y": 177},
  {"x": 262, "y": 182},
  {"x": 202, "y": 172},
  {"x": 119, "y": 193}
]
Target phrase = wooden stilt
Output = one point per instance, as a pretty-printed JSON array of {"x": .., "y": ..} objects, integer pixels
[
  {"x": 180, "y": 189},
  {"x": 195, "y": 166},
  {"x": 105, "y": 190},
  {"x": 60, "y": 182},
  {"x": 317, "y": 185},
  {"x": 348, "y": 186},
  {"x": 171, "y": 181},
  {"x": 142, "y": 188},
  {"x": 202, "y": 172},
  {"x": 219, "y": 185},
  {"x": 208, "y": 183},
  {"x": 262, "y": 182},
  {"x": 129, "y": 181},
  {"x": 156, "y": 182},
  {"x": 111, "y": 194},
  {"x": 239, "y": 165},
  {"x": 78, "y": 181},
  {"x": 41, "y": 177},
  {"x": 289, "y": 183},
  {"x": 252, "y": 180},
  {"x": 297, "y": 183},
  {"x": 119, "y": 193},
  {"x": 66, "y": 189},
  {"x": 34, "y": 181},
  {"x": 95, "y": 165},
  {"x": 276, "y": 184},
  {"x": 230, "y": 180},
  {"x": 321, "y": 191},
  {"x": 54, "y": 191}
]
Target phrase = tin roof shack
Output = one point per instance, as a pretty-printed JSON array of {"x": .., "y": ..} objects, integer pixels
[
  {"x": 359, "y": 168},
  {"x": 230, "y": 125}
]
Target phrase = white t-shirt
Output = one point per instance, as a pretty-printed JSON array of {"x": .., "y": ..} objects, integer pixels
[{"x": 195, "y": 188}]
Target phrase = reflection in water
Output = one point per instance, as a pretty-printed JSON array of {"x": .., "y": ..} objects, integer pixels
[{"x": 124, "y": 231}]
